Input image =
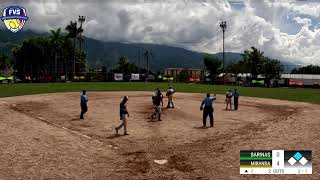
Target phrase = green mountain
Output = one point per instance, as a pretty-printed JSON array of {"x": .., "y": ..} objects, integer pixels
[{"x": 101, "y": 53}]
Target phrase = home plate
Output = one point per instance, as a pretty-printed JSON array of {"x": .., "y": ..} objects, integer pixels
[{"x": 163, "y": 161}]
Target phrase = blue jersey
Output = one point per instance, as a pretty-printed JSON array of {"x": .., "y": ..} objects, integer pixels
[
  {"x": 83, "y": 98},
  {"x": 208, "y": 101}
]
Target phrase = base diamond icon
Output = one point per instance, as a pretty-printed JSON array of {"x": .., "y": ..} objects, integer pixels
[
  {"x": 292, "y": 161},
  {"x": 297, "y": 156},
  {"x": 303, "y": 161}
]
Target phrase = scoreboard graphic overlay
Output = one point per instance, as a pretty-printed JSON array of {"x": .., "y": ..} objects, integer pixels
[{"x": 275, "y": 162}]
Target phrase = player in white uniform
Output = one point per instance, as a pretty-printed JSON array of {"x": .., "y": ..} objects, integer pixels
[
  {"x": 228, "y": 99},
  {"x": 169, "y": 94}
]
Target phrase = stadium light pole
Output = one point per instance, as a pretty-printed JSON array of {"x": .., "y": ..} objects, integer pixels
[
  {"x": 223, "y": 26},
  {"x": 81, "y": 20},
  {"x": 147, "y": 55},
  {"x": 139, "y": 62}
]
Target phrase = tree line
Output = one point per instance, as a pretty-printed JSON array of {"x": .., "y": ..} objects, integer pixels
[
  {"x": 50, "y": 56},
  {"x": 5, "y": 62},
  {"x": 310, "y": 69},
  {"x": 252, "y": 61}
]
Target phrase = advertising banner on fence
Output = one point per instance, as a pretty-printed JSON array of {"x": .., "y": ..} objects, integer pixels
[
  {"x": 135, "y": 77},
  {"x": 168, "y": 78},
  {"x": 118, "y": 76},
  {"x": 194, "y": 79}
]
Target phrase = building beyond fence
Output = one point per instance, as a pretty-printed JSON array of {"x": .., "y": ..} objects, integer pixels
[{"x": 185, "y": 74}]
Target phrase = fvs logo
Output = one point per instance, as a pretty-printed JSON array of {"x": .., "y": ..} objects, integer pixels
[{"x": 14, "y": 18}]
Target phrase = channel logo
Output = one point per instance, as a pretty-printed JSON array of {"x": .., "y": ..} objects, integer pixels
[{"x": 14, "y": 18}]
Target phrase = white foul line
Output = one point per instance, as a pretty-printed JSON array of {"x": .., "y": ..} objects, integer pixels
[
  {"x": 83, "y": 135},
  {"x": 59, "y": 126}
]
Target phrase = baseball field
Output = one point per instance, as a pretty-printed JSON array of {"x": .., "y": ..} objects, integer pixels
[{"x": 42, "y": 137}]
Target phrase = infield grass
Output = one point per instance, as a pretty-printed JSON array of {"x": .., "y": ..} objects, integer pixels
[{"x": 292, "y": 94}]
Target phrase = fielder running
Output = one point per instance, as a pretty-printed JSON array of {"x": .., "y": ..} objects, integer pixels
[
  {"x": 83, "y": 103},
  {"x": 154, "y": 96},
  {"x": 208, "y": 109},
  {"x": 157, "y": 101},
  {"x": 123, "y": 115}
]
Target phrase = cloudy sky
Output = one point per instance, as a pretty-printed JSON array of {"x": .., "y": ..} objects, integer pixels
[{"x": 284, "y": 29}]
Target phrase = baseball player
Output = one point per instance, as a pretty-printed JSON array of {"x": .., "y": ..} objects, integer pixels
[
  {"x": 154, "y": 96},
  {"x": 83, "y": 103},
  {"x": 123, "y": 115},
  {"x": 208, "y": 109},
  {"x": 228, "y": 99},
  {"x": 169, "y": 94},
  {"x": 157, "y": 101}
]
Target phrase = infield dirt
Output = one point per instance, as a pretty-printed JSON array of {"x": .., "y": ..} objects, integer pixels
[{"x": 42, "y": 137}]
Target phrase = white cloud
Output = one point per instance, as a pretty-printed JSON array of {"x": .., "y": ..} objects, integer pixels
[
  {"x": 312, "y": 9},
  {"x": 303, "y": 21},
  {"x": 276, "y": 27}
]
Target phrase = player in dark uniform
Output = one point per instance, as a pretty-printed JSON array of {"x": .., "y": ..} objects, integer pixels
[
  {"x": 157, "y": 102},
  {"x": 83, "y": 104},
  {"x": 236, "y": 99},
  {"x": 154, "y": 96},
  {"x": 123, "y": 115}
]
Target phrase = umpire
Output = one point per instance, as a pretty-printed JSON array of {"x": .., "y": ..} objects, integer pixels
[
  {"x": 83, "y": 103},
  {"x": 236, "y": 99},
  {"x": 208, "y": 109}
]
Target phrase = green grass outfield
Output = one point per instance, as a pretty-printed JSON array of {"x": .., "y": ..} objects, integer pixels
[{"x": 293, "y": 94}]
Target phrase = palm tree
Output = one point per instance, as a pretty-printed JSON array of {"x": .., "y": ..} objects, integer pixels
[
  {"x": 56, "y": 40},
  {"x": 147, "y": 55},
  {"x": 123, "y": 63},
  {"x": 72, "y": 30}
]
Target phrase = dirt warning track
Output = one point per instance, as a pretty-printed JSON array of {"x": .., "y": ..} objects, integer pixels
[{"x": 42, "y": 137}]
